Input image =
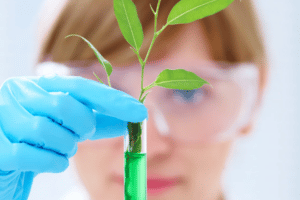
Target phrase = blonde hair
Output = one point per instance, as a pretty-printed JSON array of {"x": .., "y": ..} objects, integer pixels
[{"x": 233, "y": 33}]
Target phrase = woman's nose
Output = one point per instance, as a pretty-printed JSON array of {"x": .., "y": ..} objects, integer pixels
[{"x": 158, "y": 143}]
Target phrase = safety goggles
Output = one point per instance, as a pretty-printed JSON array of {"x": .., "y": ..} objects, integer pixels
[{"x": 204, "y": 115}]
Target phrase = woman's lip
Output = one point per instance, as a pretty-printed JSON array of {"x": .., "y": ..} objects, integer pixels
[
  {"x": 155, "y": 185},
  {"x": 154, "y": 182},
  {"x": 159, "y": 186}
]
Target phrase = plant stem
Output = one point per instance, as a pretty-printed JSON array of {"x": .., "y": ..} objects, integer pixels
[
  {"x": 163, "y": 28},
  {"x": 108, "y": 81},
  {"x": 143, "y": 63},
  {"x": 151, "y": 45},
  {"x": 149, "y": 87},
  {"x": 142, "y": 78},
  {"x": 155, "y": 33},
  {"x": 142, "y": 92}
]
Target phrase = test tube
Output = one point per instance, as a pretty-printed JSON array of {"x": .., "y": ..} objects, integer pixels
[{"x": 135, "y": 161}]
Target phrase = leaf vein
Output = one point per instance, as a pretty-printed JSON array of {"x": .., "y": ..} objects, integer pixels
[
  {"x": 190, "y": 10},
  {"x": 179, "y": 81},
  {"x": 129, "y": 24}
]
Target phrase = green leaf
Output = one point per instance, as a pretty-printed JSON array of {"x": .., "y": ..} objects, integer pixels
[
  {"x": 98, "y": 78},
  {"x": 129, "y": 22},
  {"x": 186, "y": 11},
  {"x": 179, "y": 79},
  {"x": 106, "y": 65}
]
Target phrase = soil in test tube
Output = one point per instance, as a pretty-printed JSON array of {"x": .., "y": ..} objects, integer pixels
[{"x": 135, "y": 182}]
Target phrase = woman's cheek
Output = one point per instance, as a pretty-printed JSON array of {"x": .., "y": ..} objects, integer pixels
[
  {"x": 107, "y": 144},
  {"x": 97, "y": 152},
  {"x": 92, "y": 165},
  {"x": 208, "y": 161}
]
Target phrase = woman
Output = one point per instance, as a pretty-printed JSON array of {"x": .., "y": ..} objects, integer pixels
[{"x": 189, "y": 137}]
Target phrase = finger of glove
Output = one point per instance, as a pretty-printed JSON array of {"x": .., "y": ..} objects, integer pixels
[
  {"x": 44, "y": 133},
  {"x": 97, "y": 96},
  {"x": 7, "y": 98},
  {"x": 73, "y": 152},
  {"x": 58, "y": 106},
  {"x": 29, "y": 158},
  {"x": 35, "y": 130},
  {"x": 108, "y": 127},
  {"x": 24, "y": 157}
]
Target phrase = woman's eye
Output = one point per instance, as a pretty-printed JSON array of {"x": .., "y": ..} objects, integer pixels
[{"x": 188, "y": 96}]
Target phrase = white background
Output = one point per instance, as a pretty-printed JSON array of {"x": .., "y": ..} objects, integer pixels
[{"x": 264, "y": 165}]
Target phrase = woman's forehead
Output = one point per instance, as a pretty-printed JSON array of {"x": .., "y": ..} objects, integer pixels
[{"x": 191, "y": 43}]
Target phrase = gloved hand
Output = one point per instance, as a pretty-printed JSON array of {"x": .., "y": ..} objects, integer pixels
[{"x": 43, "y": 118}]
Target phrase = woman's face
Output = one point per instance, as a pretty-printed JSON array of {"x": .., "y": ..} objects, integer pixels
[{"x": 200, "y": 166}]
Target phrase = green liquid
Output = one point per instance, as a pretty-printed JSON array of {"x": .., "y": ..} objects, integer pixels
[{"x": 135, "y": 182}]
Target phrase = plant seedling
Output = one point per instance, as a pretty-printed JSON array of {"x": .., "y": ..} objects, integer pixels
[{"x": 185, "y": 11}]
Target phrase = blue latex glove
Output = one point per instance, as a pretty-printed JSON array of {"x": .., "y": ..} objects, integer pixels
[{"x": 43, "y": 118}]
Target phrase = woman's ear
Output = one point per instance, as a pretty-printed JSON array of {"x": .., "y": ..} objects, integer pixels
[{"x": 263, "y": 81}]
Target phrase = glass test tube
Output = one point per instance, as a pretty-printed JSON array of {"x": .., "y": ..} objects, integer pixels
[{"x": 135, "y": 161}]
